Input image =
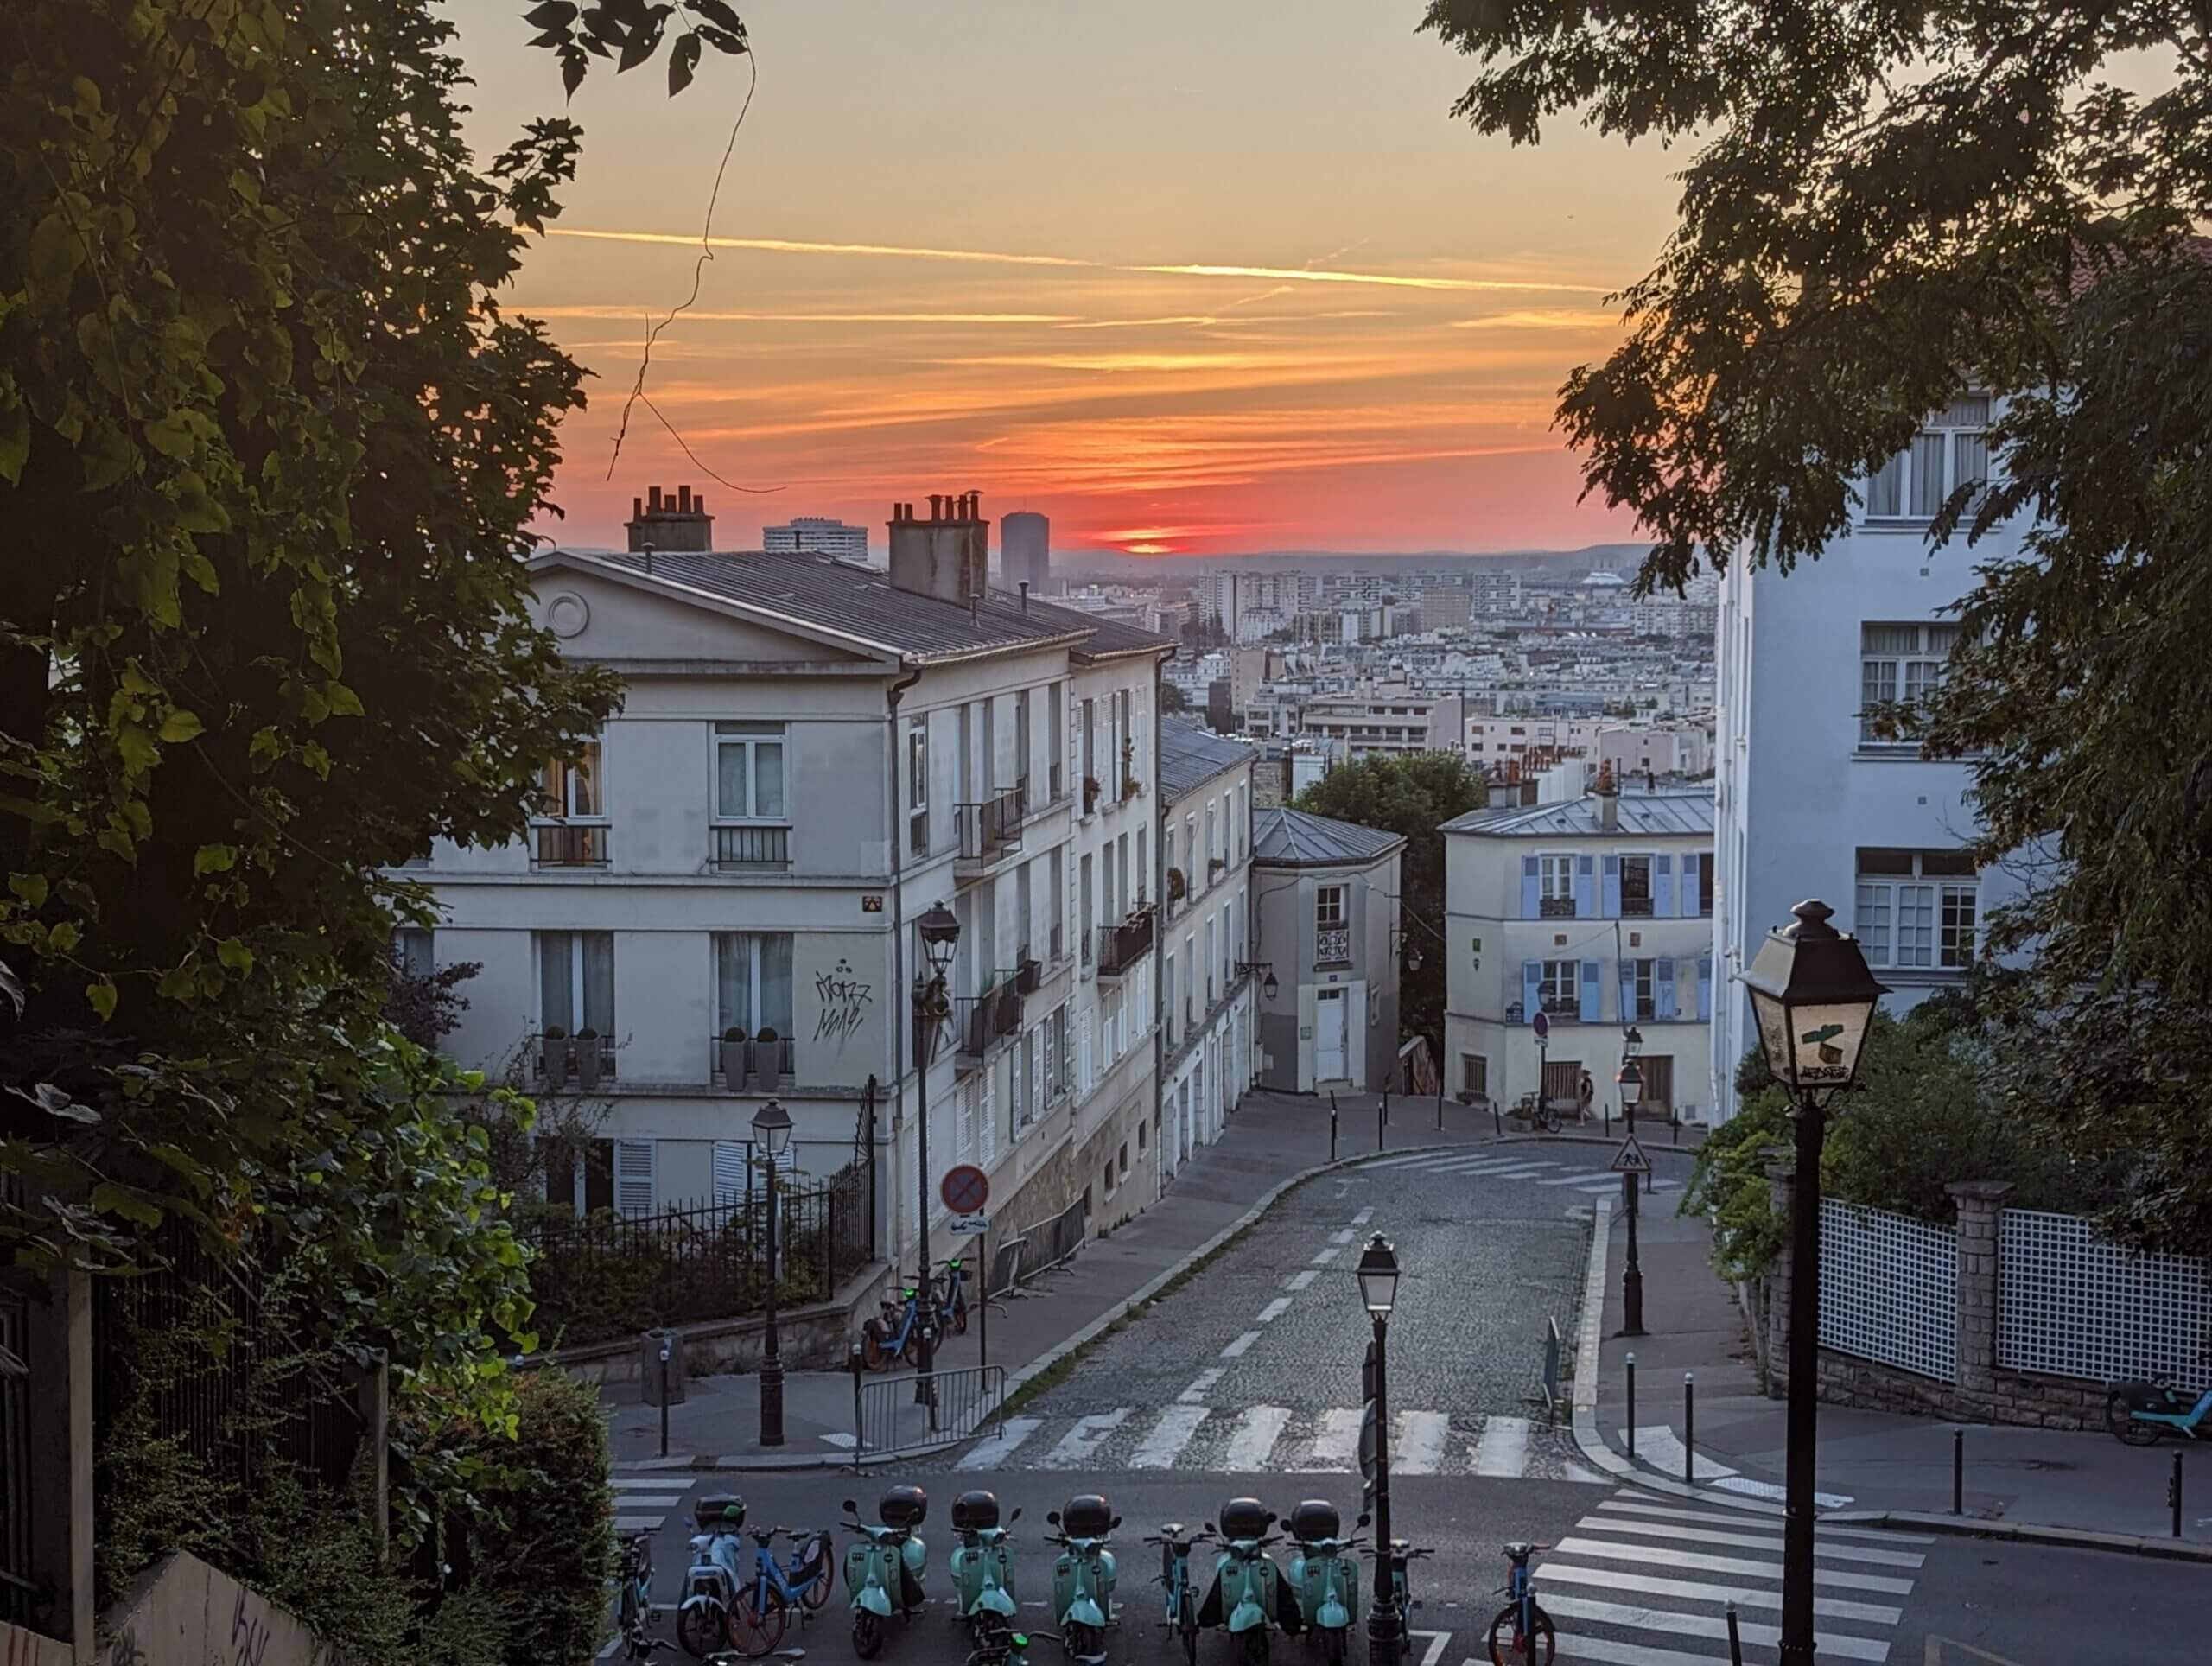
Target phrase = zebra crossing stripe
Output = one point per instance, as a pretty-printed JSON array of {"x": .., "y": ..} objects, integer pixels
[
  {"x": 1080, "y": 1444},
  {"x": 1581, "y": 1177},
  {"x": 993, "y": 1452},
  {"x": 1204, "y": 1380},
  {"x": 1503, "y": 1448},
  {"x": 1737, "y": 1518},
  {"x": 1300, "y": 1281},
  {"x": 1661, "y": 1555},
  {"x": 1607, "y": 1652},
  {"x": 1334, "y": 1444},
  {"x": 1417, "y": 1445},
  {"x": 1257, "y": 1431},
  {"x": 1677, "y": 1623},
  {"x": 1744, "y": 1596},
  {"x": 1752, "y": 1541},
  {"x": 639, "y": 1524},
  {"x": 1160, "y": 1448}
]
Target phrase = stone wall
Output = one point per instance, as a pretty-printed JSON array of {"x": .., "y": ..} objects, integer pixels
[
  {"x": 2052, "y": 1403},
  {"x": 817, "y": 1337},
  {"x": 182, "y": 1612}
]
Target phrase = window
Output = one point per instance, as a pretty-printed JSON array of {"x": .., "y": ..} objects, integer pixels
[
  {"x": 1329, "y": 906},
  {"x": 1555, "y": 886},
  {"x": 1639, "y": 986},
  {"x": 1056, "y": 715},
  {"x": 575, "y": 981},
  {"x": 1697, "y": 875},
  {"x": 1952, "y": 451},
  {"x": 918, "y": 785},
  {"x": 1474, "y": 1076},
  {"x": 1903, "y": 662},
  {"x": 1090, "y": 743},
  {"x": 1332, "y": 934},
  {"x": 1917, "y": 909},
  {"x": 1562, "y": 989},
  {"x": 1635, "y": 887},
  {"x": 749, "y": 773},
  {"x": 414, "y": 950},
  {"x": 753, "y": 982},
  {"x": 570, "y": 789}
]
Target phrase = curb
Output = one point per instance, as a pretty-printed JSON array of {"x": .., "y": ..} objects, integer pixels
[{"x": 2079, "y": 1538}]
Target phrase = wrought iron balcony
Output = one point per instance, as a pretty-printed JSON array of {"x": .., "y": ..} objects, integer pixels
[
  {"x": 1120, "y": 947},
  {"x": 1556, "y": 908},
  {"x": 984, "y": 1021},
  {"x": 568, "y": 845},
  {"x": 990, "y": 829},
  {"x": 752, "y": 847}
]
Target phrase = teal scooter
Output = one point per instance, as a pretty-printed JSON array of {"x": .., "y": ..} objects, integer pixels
[
  {"x": 1324, "y": 1578},
  {"x": 1249, "y": 1593},
  {"x": 1082, "y": 1576},
  {"x": 982, "y": 1567},
  {"x": 884, "y": 1570}
]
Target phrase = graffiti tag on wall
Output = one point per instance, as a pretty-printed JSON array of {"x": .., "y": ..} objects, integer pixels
[{"x": 845, "y": 1002}]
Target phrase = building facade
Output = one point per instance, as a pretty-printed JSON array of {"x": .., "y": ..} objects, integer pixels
[
  {"x": 1206, "y": 992},
  {"x": 1597, "y": 912},
  {"x": 1325, "y": 907},
  {"x": 817, "y": 534},
  {"x": 1811, "y": 800}
]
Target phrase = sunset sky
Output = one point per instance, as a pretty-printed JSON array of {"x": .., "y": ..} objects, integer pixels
[{"x": 1206, "y": 277}]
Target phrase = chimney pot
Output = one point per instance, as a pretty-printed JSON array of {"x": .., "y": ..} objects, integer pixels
[
  {"x": 652, "y": 500},
  {"x": 937, "y": 506},
  {"x": 637, "y": 509},
  {"x": 1024, "y": 595},
  {"x": 698, "y": 503},
  {"x": 683, "y": 499}
]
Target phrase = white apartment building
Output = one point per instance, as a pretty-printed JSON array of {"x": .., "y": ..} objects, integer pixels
[
  {"x": 1386, "y": 720},
  {"x": 810, "y": 755},
  {"x": 1811, "y": 803},
  {"x": 1597, "y": 912},
  {"x": 818, "y": 534},
  {"x": 1206, "y": 1007}
]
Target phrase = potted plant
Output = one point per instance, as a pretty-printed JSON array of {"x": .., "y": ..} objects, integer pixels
[
  {"x": 587, "y": 1051},
  {"x": 555, "y": 1057},
  {"x": 733, "y": 1061},
  {"x": 1091, "y": 790},
  {"x": 1216, "y": 867},
  {"x": 768, "y": 1059},
  {"x": 1028, "y": 973},
  {"x": 1131, "y": 787},
  {"x": 1177, "y": 886}
]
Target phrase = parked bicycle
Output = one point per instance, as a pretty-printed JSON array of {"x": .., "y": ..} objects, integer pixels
[
  {"x": 1521, "y": 1633},
  {"x": 1176, "y": 1542},
  {"x": 1540, "y": 1111},
  {"x": 953, "y": 1296},
  {"x": 762, "y": 1610},
  {"x": 2142, "y": 1413},
  {"x": 895, "y": 1333},
  {"x": 635, "y": 1607}
]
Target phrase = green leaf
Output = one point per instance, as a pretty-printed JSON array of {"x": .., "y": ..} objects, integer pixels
[
  {"x": 56, "y": 250},
  {"x": 15, "y": 439},
  {"x": 343, "y": 702},
  {"x": 683, "y": 60},
  {"x": 108, "y": 1198},
  {"x": 101, "y": 996},
  {"x": 55, "y": 1103},
  {"x": 180, "y": 726},
  {"x": 31, "y": 887},
  {"x": 179, "y": 983},
  {"x": 174, "y": 434},
  {"x": 214, "y": 859},
  {"x": 63, "y": 937},
  {"x": 136, "y": 748},
  {"x": 235, "y": 956}
]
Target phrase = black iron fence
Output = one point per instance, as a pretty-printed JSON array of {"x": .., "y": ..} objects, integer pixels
[
  {"x": 614, "y": 1276},
  {"x": 17, "y": 1589},
  {"x": 565, "y": 844}
]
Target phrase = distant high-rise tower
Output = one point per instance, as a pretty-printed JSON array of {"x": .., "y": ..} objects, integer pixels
[
  {"x": 1025, "y": 547},
  {"x": 817, "y": 533}
]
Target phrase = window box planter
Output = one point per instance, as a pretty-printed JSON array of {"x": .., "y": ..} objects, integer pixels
[
  {"x": 555, "y": 1051},
  {"x": 1028, "y": 976},
  {"x": 1091, "y": 790},
  {"x": 588, "y": 1060},
  {"x": 737, "y": 1062},
  {"x": 768, "y": 1061}
]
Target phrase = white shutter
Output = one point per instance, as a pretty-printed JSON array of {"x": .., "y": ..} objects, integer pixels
[
  {"x": 1144, "y": 996},
  {"x": 1040, "y": 1045},
  {"x": 1083, "y": 1051},
  {"x": 633, "y": 1177},
  {"x": 968, "y": 1118},
  {"x": 729, "y": 1170},
  {"x": 990, "y": 1136}
]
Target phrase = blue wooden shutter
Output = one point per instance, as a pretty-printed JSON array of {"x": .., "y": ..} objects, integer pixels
[
  {"x": 1531, "y": 901},
  {"x": 1612, "y": 887},
  {"x": 1662, "y": 989},
  {"x": 1693, "y": 902},
  {"x": 1662, "y": 887},
  {"x": 1628, "y": 991},
  {"x": 1532, "y": 988},
  {"x": 1586, "y": 888},
  {"x": 1593, "y": 995},
  {"x": 1704, "y": 989}
]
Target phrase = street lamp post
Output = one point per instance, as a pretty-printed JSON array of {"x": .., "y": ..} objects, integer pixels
[
  {"x": 1378, "y": 1290},
  {"x": 1629, "y": 1082},
  {"x": 1813, "y": 1001},
  {"x": 772, "y": 1132},
  {"x": 940, "y": 933}
]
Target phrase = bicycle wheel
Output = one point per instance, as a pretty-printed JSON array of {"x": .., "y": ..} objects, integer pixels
[
  {"x": 756, "y": 1627},
  {"x": 1187, "y": 1623},
  {"x": 873, "y": 1355},
  {"x": 960, "y": 1317},
  {"x": 815, "y": 1591},
  {"x": 1547, "y": 1118},
  {"x": 701, "y": 1624},
  {"x": 1510, "y": 1646},
  {"x": 912, "y": 1353},
  {"x": 2121, "y": 1419}
]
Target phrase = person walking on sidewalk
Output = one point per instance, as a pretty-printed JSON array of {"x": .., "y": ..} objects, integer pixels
[{"x": 1583, "y": 1096}]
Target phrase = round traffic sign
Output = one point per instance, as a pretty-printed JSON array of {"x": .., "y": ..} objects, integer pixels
[
  {"x": 965, "y": 1189},
  {"x": 1540, "y": 1023}
]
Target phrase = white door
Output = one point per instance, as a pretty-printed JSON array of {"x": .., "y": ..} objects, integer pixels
[{"x": 1329, "y": 1035}]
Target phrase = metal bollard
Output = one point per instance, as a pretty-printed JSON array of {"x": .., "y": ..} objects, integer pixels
[
  {"x": 1958, "y": 1471},
  {"x": 1386, "y": 1104},
  {"x": 1382, "y": 1116},
  {"x": 1496, "y": 1127},
  {"x": 859, "y": 1428},
  {"x": 1735, "y": 1643},
  {"x": 2173, "y": 1494},
  {"x": 1440, "y": 1101},
  {"x": 1332, "y": 1125},
  {"x": 1689, "y": 1429},
  {"x": 1631, "y": 1405},
  {"x": 1606, "y": 1115},
  {"x": 664, "y": 1398}
]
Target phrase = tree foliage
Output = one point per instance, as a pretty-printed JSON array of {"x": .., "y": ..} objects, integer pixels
[
  {"x": 1890, "y": 205},
  {"x": 1413, "y": 795}
]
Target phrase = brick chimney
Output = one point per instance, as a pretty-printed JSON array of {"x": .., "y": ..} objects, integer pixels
[
  {"x": 946, "y": 557},
  {"x": 668, "y": 523},
  {"x": 1608, "y": 794}
]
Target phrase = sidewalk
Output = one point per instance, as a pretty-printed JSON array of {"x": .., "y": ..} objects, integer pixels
[
  {"x": 1881, "y": 1462},
  {"x": 1271, "y": 1140}
]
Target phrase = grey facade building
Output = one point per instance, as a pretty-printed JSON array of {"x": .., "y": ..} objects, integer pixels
[
  {"x": 1325, "y": 914},
  {"x": 816, "y": 535},
  {"x": 1026, "y": 550}
]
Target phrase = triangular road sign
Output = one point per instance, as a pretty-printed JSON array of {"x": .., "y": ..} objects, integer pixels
[{"x": 1629, "y": 1159}]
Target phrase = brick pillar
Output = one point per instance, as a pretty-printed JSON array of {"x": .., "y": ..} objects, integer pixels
[
  {"x": 1978, "y": 1203},
  {"x": 1782, "y": 1198}
]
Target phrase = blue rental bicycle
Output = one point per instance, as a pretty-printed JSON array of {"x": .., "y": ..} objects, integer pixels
[
  {"x": 894, "y": 1334},
  {"x": 952, "y": 1297},
  {"x": 763, "y": 1605},
  {"x": 2141, "y": 1414},
  {"x": 1176, "y": 1542},
  {"x": 635, "y": 1608},
  {"x": 1522, "y": 1634}
]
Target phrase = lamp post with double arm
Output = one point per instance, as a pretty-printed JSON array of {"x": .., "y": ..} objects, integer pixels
[
  {"x": 1630, "y": 1083},
  {"x": 939, "y": 930},
  {"x": 771, "y": 1133},
  {"x": 1814, "y": 999}
]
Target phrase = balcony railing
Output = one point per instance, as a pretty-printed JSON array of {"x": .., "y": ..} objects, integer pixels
[
  {"x": 1120, "y": 947},
  {"x": 1561, "y": 1005},
  {"x": 567, "y": 844},
  {"x": 984, "y": 1021},
  {"x": 758, "y": 1066},
  {"x": 584, "y": 1061},
  {"x": 1636, "y": 907},
  {"x": 991, "y": 827},
  {"x": 1556, "y": 908},
  {"x": 752, "y": 847},
  {"x": 1332, "y": 945}
]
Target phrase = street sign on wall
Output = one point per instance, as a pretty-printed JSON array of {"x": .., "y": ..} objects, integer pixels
[{"x": 967, "y": 1226}]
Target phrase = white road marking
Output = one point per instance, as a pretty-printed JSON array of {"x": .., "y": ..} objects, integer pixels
[
  {"x": 1342, "y": 1234},
  {"x": 1417, "y": 1442},
  {"x": 1300, "y": 1281},
  {"x": 844, "y": 1441},
  {"x": 1518, "y": 1174},
  {"x": 1335, "y": 1443},
  {"x": 1504, "y": 1449},
  {"x": 1608, "y": 1652},
  {"x": 1768, "y": 1490},
  {"x": 639, "y": 1524},
  {"x": 1160, "y": 1448},
  {"x": 1707, "y": 1625},
  {"x": 1362, "y": 1218},
  {"x": 992, "y": 1453},
  {"x": 1324, "y": 1257},
  {"x": 1257, "y": 1431},
  {"x": 1236, "y": 1349},
  {"x": 663, "y": 1482},
  {"x": 1436, "y": 1642},
  {"x": 1738, "y": 1518},
  {"x": 653, "y": 1501},
  {"x": 1601, "y": 1189},
  {"x": 1691, "y": 1561},
  {"x": 1080, "y": 1444},
  {"x": 1581, "y": 1177},
  {"x": 1274, "y": 1310},
  {"x": 1658, "y": 1446},
  {"x": 1483, "y": 1165},
  {"x": 1744, "y": 1596},
  {"x": 1751, "y": 1541},
  {"x": 1588, "y": 1477},
  {"x": 1204, "y": 1380}
]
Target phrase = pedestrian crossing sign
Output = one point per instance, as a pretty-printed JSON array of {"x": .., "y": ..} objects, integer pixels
[{"x": 1630, "y": 1159}]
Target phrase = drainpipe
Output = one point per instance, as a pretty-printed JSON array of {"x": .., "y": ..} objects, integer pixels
[
  {"x": 901, "y": 999},
  {"x": 1160, "y": 919}
]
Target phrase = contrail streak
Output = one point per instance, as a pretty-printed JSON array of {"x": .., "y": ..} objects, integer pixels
[{"x": 786, "y": 246}]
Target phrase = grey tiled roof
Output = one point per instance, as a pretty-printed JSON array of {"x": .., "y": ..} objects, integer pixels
[
  {"x": 1680, "y": 814},
  {"x": 1298, "y": 839},
  {"x": 1191, "y": 754},
  {"x": 857, "y": 602}
]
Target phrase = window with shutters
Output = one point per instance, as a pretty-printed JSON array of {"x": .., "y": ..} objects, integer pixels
[
  {"x": 917, "y": 786},
  {"x": 987, "y": 1124},
  {"x": 1555, "y": 886},
  {"x": 635, "y": 1190},
  {"x": 1952, "y": 451},
  {"x": 1635, "y": 887},
  {"x": 1903, "y": 663},
  {"x": 1639, "y": 982},
  {"x": 1562, "y": 989},
  {"x": 1917, "y": 910}
]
